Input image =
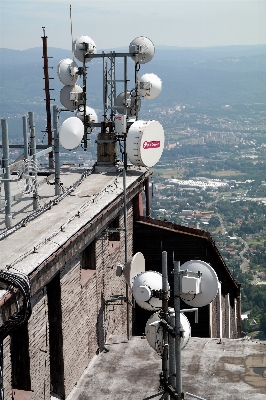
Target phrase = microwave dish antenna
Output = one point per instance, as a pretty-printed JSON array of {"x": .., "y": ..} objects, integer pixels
[
  {"x": 146, "y": 290},
  {"x": 149, "y": 86},
  {"x": 71, "y": 133},
  {"x": 130, "y": 103},
  {"x": 82, "y": 46},
  {"x": 143, "y": 48},
  {"x": 71, "y": 97},
  {"x": 154, "y": 331},
  {"x": 67, "y": 72},
  {"x": 145, "y": 143},
  {"x": 132, "y": 268},
  {"x": 208, "y": 283},
  {"x": 90, "y": 113}
]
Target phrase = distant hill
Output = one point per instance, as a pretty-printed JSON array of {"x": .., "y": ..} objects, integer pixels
[{"x": 212, "y": 75}]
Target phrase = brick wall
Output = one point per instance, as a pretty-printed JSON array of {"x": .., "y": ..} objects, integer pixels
[
  {"x": 87, "y": 321},
  {"x": 7, "y": 368},
  {"x": 38, "y": 329},
  {"x": 215, "y": 319}
]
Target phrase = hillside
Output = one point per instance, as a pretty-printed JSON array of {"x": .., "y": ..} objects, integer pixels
[{"x": 212, "y": 75}]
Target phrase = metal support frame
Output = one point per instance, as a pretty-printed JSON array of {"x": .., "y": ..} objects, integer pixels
[
  {"x": 47, "y": 97},
  {"x": 56, "y": 152},
  {"x": 33, "y": 154},
  {"x": 109, "y": 84},
  {"x": 6, "y": 168},
  {"x": 1, "y": 371},
  {"x": 171, "y": 375}
]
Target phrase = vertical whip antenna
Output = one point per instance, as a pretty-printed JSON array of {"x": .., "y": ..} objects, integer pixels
[
  {"x": 71, "y": 32},
  {"x": 72, "y": 45}
]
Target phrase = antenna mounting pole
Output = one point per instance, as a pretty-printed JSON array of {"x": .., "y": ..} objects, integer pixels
[{"x": 47, "y": 97}]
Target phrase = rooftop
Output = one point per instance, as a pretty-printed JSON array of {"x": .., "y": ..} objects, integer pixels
[
  {"x": 37, "y": 234},
  {"x": 233, "y": 369}
]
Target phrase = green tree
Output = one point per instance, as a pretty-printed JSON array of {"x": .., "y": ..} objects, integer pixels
[{"x": 263, "y": 323}]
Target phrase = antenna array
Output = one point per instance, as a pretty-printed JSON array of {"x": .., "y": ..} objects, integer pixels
[
  {"x": 168, "y": 330},
  {"x": 120, "y": 111}
]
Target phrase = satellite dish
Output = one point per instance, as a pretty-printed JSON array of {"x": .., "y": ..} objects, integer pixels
[
  {"x": 144, "y": 48},
  {"x": 154, "y": 331},
  {"x": 83, "y": 45},
  {"x": 129, "y": 103},
  {"x": 146, "y": 287},
  {"x": 208, "y": 284},
  {"x": 71, "y": 97},
  {"x": 90, "y": 112},
  {"x": 71, "y": 133},
  {"x": 149, "y": 86},
  {"x": 145, "y": 143},
  {"x": 134, "y": 267},
  {"x": 67, "y": 72}
]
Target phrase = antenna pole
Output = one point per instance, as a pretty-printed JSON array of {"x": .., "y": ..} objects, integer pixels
[
  {"x": 5, "y": 165},
  {"x": 136, "y": 89},
  {"x": 56, "y": 151},
  {"x": 47, "y": 97},
  {"x": 26, "y": 150},
  {"x": 165, "y": 363},
  {"x": 125, "y": 226},
  {"x": 84, "y": 94},
  {"x": 177, "y": 327},
  {"x": 33, "y": 154}
]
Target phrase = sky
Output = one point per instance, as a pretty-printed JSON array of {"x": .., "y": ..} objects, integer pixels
[{"x": 115, "y": 23}]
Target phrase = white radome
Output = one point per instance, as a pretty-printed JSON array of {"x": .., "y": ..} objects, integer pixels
[
  {"x": 67, "y": 72},
  {"x": 145, "y": 143},
  {"x": 208, "y": 284},
  {"x": 144, "y": 48},
  {"x": 71, "y": 133},
  {"x": 132, "y": 105},
  {"x": 150, "y": 86},
  {"x": 90, "y": 112},
  {"x": 70, "y": 97},
  {"x": 79, "y": 48},
  {"x": 143, "y": 286},
  {"x": 154, "y": 331}
]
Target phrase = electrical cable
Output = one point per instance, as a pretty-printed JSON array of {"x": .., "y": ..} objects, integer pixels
[{"x": 22, "y": 283}]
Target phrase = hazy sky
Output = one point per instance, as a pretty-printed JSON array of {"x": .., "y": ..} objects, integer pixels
[{"x": 112, "y": 23}]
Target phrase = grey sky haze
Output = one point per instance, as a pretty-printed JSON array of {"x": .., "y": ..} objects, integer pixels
[{"x": 114, "y": 23}]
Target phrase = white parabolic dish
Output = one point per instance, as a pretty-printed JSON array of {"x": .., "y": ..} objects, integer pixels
[
  {"x": 208, "y": 286},
  {"x": 65, "y": 72},
  {"x": 144, "y": 48},
  {"x": 143, "y": 286},
  {"x": 71, "y": 133},
  {"x": 90, "y": 112},
  {"x": 154, "y": 331},
  {"x": 134, "y": 267},
  {"x": 70, "y": 93},
  {"x": 150, "y": 86},
  {"x": 80, "y": 45},
  {"x": 145, "y": 143}
]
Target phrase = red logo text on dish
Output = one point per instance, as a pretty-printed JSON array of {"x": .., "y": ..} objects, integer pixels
[{"x": 154, "y": 144}]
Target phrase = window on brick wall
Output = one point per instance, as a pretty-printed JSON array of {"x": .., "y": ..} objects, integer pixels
[
  {"x": 114, "y": 236},
  {"x": 57, "y": 378},
  {"x": 20, "y": 359},
  {"x": 88, "y": 258},
  {"x": 88, "y": 263}
]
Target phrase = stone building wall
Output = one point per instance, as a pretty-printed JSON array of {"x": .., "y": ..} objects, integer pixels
[{"x": 71, "y": 320}]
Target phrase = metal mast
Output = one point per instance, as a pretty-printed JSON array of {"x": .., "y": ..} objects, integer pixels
[{"x": 47, "y": 97}]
